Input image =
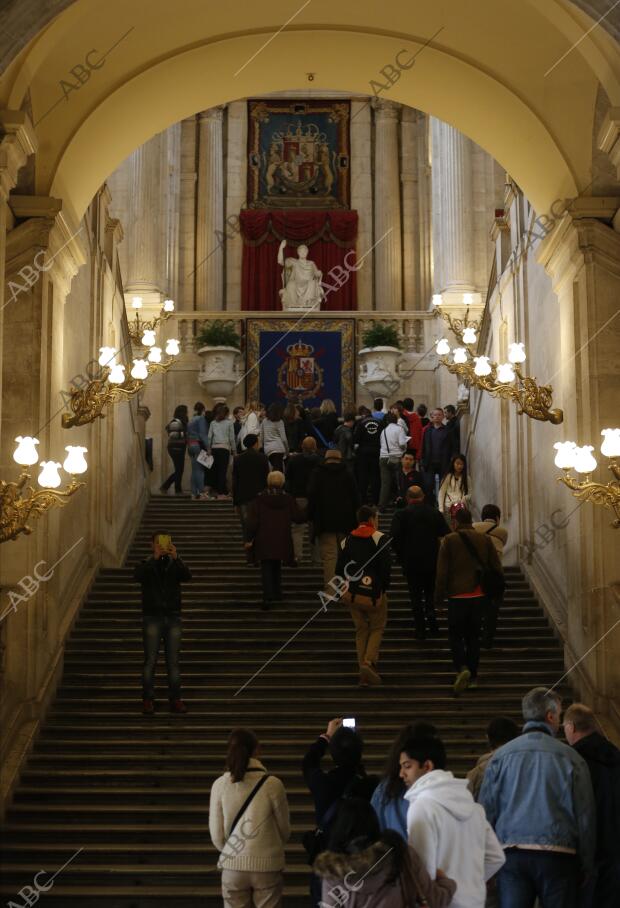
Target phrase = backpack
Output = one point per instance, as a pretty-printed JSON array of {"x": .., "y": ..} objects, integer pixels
[
  {"x": 176, "y": 433},
  {"x": 364, "y": 592}
]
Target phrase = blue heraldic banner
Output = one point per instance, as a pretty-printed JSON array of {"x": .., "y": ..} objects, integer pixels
[{"x": 304, "y": 364}]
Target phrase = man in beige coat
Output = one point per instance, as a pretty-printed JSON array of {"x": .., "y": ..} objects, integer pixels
[{"x": 489, "y": 525}]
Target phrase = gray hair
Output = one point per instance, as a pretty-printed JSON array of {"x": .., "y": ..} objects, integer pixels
[
  {"x": 538, "y": 702},
  {"x": 275, "y": 479}
]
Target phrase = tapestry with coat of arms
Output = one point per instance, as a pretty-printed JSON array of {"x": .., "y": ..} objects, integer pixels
[
  {"x": 303, "y": 361},
  {"x": 298, "y": 154}
]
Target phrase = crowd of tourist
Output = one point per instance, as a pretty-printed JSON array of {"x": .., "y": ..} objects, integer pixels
[{"x": 536, "y": 819}]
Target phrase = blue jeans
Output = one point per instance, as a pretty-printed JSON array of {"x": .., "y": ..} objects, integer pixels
[
  {"x": 198, "y": 471},
  {"x": 154, "y": 629},
  {"x": 550, "y": 876}
]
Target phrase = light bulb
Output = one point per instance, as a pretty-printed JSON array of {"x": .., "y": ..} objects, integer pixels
[
  {"x": 584, "y": 461},
  {"x": 469, "y": 336},
  {"x": 483, "y": 367},
  {"x": 437, "y": 299},
  {"x": 611, "y": 444},
  {"x": 107, "y": 355},
  {"x": 75, "y": 462},
  {"x": 49, "y": 477},
  {"x": 565, "y": 458},
  {"x": 505, "y": 373},
  {"x": 136, "y": 302},
  {"x": 460, "y": 355},
  {"x": 443, "y": 347},
  {"x": 148, "y": 338},
  {"x": 468, "y": 299},
  {"x": 516, "y": 353},
  {"x": 140, "y": 369},
  {"x": 168, "y": 305},
  {"x": 25, "y": 453},
  {"x": 172, "y": 347},
  {"x": 154, "y": 355},
  {"x": 117, "y": 374}
]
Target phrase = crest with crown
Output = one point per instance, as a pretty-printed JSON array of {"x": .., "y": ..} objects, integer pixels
[{"x": 300, "y": 349}]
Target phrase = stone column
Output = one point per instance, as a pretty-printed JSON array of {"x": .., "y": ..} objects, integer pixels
[
  {"x": 187, "y": 216},
  {"x": 424, "y": 213},
  {"x": 361, "y": 196},
  {"x": 236, "y": 196},
  {"x": 452, "y": 181},
  {"x": 388, "y": 240},
  {"x": 142, "y": 251},
  {"x": 411, "y": 221},
  {"x": 210, "y": 213}
]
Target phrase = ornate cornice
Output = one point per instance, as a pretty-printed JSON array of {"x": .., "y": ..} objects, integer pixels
[{"x": 17, "y": 142}]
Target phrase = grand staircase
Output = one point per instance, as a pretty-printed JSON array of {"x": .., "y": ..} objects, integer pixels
[{"x": 122, "y": 799}]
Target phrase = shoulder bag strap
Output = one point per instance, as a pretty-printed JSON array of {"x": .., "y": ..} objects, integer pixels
[
  {"x": 387, "y": 442},
  {"x": 320, "y": 435},
  {"x": 472, "y": 550},
  {"x": 247, "y": 803}
]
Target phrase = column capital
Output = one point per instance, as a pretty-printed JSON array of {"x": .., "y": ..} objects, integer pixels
[
  {"x": 608, "y": 139},
  {"x": 213, "y": 113},
  {"x": 386, "y": 110},
  {"x": 17, "y": 142}
]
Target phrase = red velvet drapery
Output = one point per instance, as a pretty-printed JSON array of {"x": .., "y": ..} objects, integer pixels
[{"x": 329, "y": 236}]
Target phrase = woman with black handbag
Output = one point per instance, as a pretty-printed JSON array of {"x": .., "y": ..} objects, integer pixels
[
  {"x": 365, "y": 564},
  {"x": 249, "y": 825}
]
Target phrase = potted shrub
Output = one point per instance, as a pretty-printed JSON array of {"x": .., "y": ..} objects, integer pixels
[
  {"x": 218, "y": 345},
  {"x": 379, "y": 359}
]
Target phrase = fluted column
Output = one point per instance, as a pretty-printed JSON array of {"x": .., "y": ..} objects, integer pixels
[
  {"x": 454, "y": 242},
  {"x": 423, "y": 213},
  {"x": 187, "y": 215},
  {"x": 236, "y": 193},
  {"x": 388, "y": 249},
  {"x": 210, "y": 220},
  {"x": 143, "y": 252},
  {"x": 361, "y": 196},
  {"x": 410, "y": 191}
]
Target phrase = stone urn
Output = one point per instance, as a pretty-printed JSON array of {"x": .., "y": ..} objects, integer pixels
[
  {"x": 219, "y": 372},
  {"x": 379, "y": 370}
]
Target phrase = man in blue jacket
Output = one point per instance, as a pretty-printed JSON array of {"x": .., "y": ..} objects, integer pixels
[{"x": 538, "y": 796}]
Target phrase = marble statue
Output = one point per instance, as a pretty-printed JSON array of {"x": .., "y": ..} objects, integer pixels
[{"x": 301, "y": 281}]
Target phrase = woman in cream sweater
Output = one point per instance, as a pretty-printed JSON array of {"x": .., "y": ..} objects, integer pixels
[
  {"x": 456, "y": 487},
  {"x": 251, "y": 854}
]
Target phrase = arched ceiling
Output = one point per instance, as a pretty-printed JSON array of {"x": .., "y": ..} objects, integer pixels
[{"x": 508, "y": 73}]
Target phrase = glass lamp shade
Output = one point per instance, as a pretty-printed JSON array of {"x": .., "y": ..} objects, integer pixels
[
  {"x": 469, "y": 336},
  {"x": 565, "y": 458},
  {"x": 49, "y": 477},
  {"x": 460, "y": 355},
  {"x": 117, "y": 374},
  {"x": 483, "y": 366},
  {"x": 437, "y": 299},
  {"x": 168, "y": 305},
  {"x": 172, "y": 347},
  {"x": 516, "y": 353},
  {"x": 584, "y": 461},
  {"x": 26, "y": 453},
  {"x": 140, "y": 369},
  {"x": 75, "y": 462},
  {"x": 443, "y": 347},
  {"x": 611, "y": 444},
  {"x": 107, "y": 355},
  {"x": 468, "y": 299},
  {"x": 148, "y": 338},
  {"x": 136, "y": 302},
  {"x": 154, "y": 355},
  {"x": 505, "y": 373}
]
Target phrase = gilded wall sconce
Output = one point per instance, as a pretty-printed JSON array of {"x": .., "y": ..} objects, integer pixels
[
  {"x": 20, "y": 502},
  {"x": 571, "y": 457},
  {"x": 142, "y": 331},
  {"x": 505, "y": 380},
  {"x": 465, "y": 329}
]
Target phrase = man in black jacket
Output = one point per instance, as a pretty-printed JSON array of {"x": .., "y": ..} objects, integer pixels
[
  {"x": 367, "y": 442},
  {"x": 161, "y": 577},
  {"x": 249, "y": 478},
  {"x": 439, "y": 444},
  {"x": 299, "y": 468},
  {"x": 332, "y": 504},
  {"x": 416, "y": 533},
  {"x": 603, "y": 760}
]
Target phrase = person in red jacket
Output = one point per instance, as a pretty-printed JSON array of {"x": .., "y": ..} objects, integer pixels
[{"x": 415, "y": 428}]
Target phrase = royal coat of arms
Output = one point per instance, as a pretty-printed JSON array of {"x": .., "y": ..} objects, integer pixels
[{"x": 300, "y": 377}]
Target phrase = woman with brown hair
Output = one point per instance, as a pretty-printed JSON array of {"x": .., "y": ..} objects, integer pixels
[{"x": 249, "y": 826}]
